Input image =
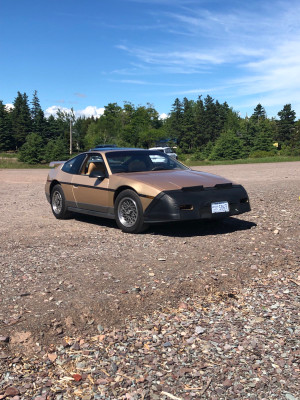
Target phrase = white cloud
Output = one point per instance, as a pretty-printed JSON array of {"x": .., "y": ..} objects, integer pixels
[
  {"x": 134, "y": 82},
  {"x": 163, "y": 116},
  {"x": 248, "y": 53},
  {"x": 9, "y": 106},
  {"x": 89, "y": 111},
  {"x": 235, "y": 35},
  {"x": 81, "y": 95}
]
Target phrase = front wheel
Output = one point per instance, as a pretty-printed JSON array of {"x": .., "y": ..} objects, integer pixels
[
  {"x": 129, "y": 212},
  {"x": 58, "y": 203}
]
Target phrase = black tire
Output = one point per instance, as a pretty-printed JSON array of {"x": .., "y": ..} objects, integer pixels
[
  {"x": 129, "y": 212},
  {"x": 58, "y": 203}
]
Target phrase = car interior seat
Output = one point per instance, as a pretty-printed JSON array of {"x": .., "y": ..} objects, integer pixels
[{"x": 96, "y": 167}]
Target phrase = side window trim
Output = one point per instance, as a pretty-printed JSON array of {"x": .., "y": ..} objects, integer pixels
[
  {"x": 89, "y": 159},
  {"x": 74, "y": 159}
]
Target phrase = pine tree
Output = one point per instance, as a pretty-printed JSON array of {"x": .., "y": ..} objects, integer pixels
[
  {"x": 176, "y": 118},
  {"x": 38, "y": 117},
  {"x": 211, "y": 119},
  {"x": 54, "y": 128},
  {"x": 6, "y": 137},
  {"x": 187, "y": 138},
  {"x": 259, "y": 113},
  {"x": 264, "y": 137},
  {"x": 32, "y": 150},
  {"x": 248, "y": 132},
  {"x": 222, "y": 112},
  {"x": 21, "y": 119},
  {"x": 56, "y": 149},
  {"x": 201, "y": 138},
  {"x": 286, "y": 124},
  {"x": 227, "y": 147}
]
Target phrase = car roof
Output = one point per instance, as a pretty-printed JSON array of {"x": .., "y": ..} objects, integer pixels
[
  {"x": 159, "y": 147},
  {"x": 116, "y": 149},
  {"x": 103, "y": 146}
]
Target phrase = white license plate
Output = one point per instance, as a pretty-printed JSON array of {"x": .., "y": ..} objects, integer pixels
[{"x": 220, "y": 207}]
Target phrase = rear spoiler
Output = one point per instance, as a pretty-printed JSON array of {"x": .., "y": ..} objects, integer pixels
[{"x": 55, "y": 163}]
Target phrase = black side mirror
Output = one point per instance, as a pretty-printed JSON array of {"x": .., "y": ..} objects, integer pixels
[{"x": 97, "y": 174}]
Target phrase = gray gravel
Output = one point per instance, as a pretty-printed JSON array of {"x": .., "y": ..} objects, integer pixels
[{"x": 193, "y": 310}]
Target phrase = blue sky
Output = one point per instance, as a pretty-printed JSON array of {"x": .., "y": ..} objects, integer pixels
[{"x": 86, "y": 54}]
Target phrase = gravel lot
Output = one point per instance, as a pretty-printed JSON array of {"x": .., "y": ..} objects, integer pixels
[{"x": 189, "y": 310}]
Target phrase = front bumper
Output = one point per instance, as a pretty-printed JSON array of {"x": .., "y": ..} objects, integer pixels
[{"x": 195, "y": 203}]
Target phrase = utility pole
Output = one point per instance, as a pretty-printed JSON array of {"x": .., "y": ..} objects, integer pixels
[{"x": 70, "y": 136}]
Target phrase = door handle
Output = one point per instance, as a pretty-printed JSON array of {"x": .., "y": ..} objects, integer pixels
[{"x": 75, "y": 186}]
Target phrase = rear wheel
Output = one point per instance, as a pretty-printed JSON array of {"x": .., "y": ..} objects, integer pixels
[
  {"x": 58, "y": 203},
  {"x": 129, "y": 212}
]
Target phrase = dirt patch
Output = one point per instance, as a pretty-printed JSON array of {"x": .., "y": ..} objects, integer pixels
[{"x": 62, "y": 278}]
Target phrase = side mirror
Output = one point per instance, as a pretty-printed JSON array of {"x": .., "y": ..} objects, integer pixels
[{"x": 97, "y": 174}]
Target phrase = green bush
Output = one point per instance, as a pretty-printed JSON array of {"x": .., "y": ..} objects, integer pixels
[
  {"x": 181, "y": 155},
  {"x": 290, "y": 151},
  {"x": 55, "y": 150},
  {"x": 32, "y": 151},
  {"x": 198, "y": 156},
  {"x": 262, "y": 154},
  {"x": 227, "y": 147}
]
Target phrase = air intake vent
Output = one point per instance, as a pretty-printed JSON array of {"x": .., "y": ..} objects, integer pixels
[
  {"x": 187, "y": 207},
  {"x": 223, "y": 185},
  {"x": 193, "y": 189}
]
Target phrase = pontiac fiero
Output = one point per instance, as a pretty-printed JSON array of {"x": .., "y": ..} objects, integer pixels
[{"x": 140, "y": 187}]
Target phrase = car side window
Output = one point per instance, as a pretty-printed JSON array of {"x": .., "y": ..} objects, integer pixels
[
  {"x": 93, "y": 163},
  {"x": 73, "y": 166}
]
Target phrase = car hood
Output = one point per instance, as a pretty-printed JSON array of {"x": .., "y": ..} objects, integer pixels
[{"x": 176, "y": 179}]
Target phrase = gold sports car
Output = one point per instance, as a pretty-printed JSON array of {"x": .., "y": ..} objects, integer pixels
[{"x": 138, "y": 187}]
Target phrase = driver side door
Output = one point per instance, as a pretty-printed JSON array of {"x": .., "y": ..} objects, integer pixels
[{"x": 91, "y": 193}]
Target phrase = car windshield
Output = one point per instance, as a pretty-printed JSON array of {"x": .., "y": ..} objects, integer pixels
[{"x": 141, "y": 161}]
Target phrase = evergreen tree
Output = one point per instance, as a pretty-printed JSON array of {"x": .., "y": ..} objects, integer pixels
[
  {"x": 187, "y": 137},
  {"x": 55, "y": 128},
  {"x": 32, "y": 150},
  {"x": 232, "y": 121},
  {"x": 21, "y": 119},
  {"x": 264, "y": 137},
  {"x": 222, "y": 113},
  {"x": 201, "y": 138},
  {"x": 6, "y": 137},
  {"x": 56, "y": 149},
  {"x": 176, "y": 118},
  {"x": 295, "y": 139},
  {"x": 248, "y": 131},
  {"x": 227, "y": 147},
  {"x": 259, "y": 113},
  {"x": 211, "y": 124},
  {"x": 286, "y": 124},
  {"x": 38, "y": 118}
]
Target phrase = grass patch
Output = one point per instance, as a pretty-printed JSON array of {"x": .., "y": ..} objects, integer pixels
[
  {"x": 274, "y": 159},
  {"x": 12, "y": 163},
  {"x": 8, "y": 155}
]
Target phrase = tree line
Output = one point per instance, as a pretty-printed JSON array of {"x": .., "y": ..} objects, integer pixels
[{"x": 202, "y": 129}]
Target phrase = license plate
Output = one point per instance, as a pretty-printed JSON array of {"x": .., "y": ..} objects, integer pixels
[{"x": 220, "y": 207}]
